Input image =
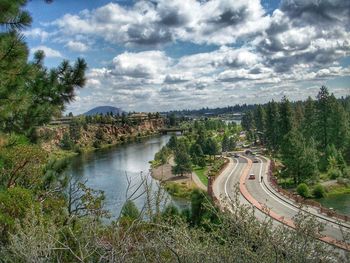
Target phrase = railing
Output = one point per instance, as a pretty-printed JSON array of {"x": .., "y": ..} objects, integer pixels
[{"x": 300, "y": 200}]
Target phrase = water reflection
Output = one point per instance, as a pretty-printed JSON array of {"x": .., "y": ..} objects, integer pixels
[{"x": 106, "y": 169}]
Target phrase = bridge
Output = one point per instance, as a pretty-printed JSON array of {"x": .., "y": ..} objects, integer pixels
[{"x": 173, "y": 129}]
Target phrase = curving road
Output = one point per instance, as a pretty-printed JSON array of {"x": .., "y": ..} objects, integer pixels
[{"x": 260, "y": 193}]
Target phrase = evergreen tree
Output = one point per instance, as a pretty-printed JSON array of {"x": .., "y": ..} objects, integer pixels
[
  {"x": 285, "y": 118},
  {"x": 30, "y": 94},
  {"x": 260, "y": 119},
  {"x": 182, "y": 163},
  {"x": 323, "y": 117},
  {"x": 172, "y": 144},
  {"x": 299, "y": 157},
  {"x": 298, "y": 115},
  {"x": 225, "y": 144},
  {"x": 272, "y": 125},
  {"x": 308, "y": 125},
  {"x": 211, "y": 147},
  {"x": 338, "y": 124}
]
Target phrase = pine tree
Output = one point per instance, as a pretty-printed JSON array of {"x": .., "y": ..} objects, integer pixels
[
  {"x": 323, "y": 117},
  {"x": 30, "y": 94},
  {"x": 225, "y": 143},
  {"x": 285, "y": 118},
  {"x": 272, "y": 125},
  {"x": 308, "y": 125}
]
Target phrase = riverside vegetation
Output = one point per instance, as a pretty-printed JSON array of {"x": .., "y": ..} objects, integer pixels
[
  {"x": 46, "y": 216},
  {"x": 196, "y": 151}
]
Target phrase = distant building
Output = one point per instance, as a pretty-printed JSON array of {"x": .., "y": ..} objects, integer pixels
[{"x": 60, "y": 121}]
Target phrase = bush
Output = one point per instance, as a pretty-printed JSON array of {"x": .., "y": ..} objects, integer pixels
[
  {"x": 303, "y": 190},
  {"x": 319, "y": 191},
  {"x": 201, "y": 162},
  {"x": 78, "y": 149},
  {"x": 97, "y": 144},
  {"x": 334, "y": 173},
  {"x": 66, "y": 142},
  {"x": 16, "y": 139}
]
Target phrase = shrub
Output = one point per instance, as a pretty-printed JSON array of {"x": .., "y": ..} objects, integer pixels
[
  {"x": 334, "y": 173},
  {"x": 130, "y": 211},
  {"x": 16, "y": 139},
  {"x": 201, "y": 162},
  {"x": 303, "y": 190},
  {"x": 66, "y": 142},
  {"x": 97, "y": 144},
  {"x": 319, "y": 191},
  {"x": 78, "y": 149}
]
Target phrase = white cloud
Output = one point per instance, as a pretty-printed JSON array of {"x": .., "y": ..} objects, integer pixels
[
  {"x": 49, "y": 52},
  {"x": 256, "y": 56},
  {"x": 147, "y": 64},
  {"x": 147, "y": 23},
  {"x": 37, "y": 33},
  {"x": 77, "y": 46}
]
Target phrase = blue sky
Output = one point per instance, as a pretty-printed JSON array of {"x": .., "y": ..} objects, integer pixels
[{"x": 161, "y": 55}]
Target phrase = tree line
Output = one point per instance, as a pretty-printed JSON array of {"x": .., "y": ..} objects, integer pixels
[{"x": 311, "y": 137}]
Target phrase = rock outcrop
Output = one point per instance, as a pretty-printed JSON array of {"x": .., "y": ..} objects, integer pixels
[{"x": 51, "y": 136}]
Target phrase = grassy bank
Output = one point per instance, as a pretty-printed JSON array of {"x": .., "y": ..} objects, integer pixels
[
  {"x": 336, "y": 190},
  {"x": 201, "y": 172},
  {"x": 180, "y": 190}
]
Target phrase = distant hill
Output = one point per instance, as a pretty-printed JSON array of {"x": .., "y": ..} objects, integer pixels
[{"x": 103, "y": 110}]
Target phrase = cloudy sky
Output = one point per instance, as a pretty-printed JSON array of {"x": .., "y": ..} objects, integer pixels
[{"x": 160, "y": 55}]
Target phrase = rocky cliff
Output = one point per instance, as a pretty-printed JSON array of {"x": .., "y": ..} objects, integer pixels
[{"x": 51, "y": 136}]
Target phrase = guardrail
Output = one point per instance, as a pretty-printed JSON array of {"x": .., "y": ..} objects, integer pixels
[{"x": 298, "y": 199}]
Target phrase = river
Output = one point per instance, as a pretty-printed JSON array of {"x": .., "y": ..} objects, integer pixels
[{"x": 106, "y": 169}]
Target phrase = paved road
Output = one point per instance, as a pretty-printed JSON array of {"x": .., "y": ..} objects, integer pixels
[{"x": 264, "y": 194}]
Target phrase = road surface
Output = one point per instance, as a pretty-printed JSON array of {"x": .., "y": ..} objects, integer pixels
[{"x": 260, "y": 193}]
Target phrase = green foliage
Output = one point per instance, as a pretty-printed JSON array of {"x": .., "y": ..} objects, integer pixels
[
  {"x": 334, "y": 173},
  {"x": 183, "y": 163},
  {"x": 225, "y": 144},
  {"x": 178, "y": 190},
  {"x": 171, "y": 211},
  {"x": 202, "y": 212},
  {"x": 75, "y": 131},
  {"x": 211, "y": 147},
  {"x": 299, "y": 157},
  {"x": 22, "y": 165},
  {"x": 30, "y": 94},
  {"x": 99, "y": 135},
  {"x": 17, "y": 139},
  {"x": 162, "y": 156},
  {"x": 303, "y": 190},
  {"x": 201, "y": 162},
  {"x": 319, "y": 191},
  {"x": 15, "y": 203},
  {"x": 201, "y": 172},
  {"x": 129, "y": 211},
  {"x": 66, "y": 142},
  {"x": 172, "y": 144}
]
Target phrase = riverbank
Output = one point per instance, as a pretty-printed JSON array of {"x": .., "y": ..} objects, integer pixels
[{"x": 177, "y": 186}]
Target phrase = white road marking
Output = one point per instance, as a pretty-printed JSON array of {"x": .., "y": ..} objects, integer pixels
[
  {"x": 281, "y": 201},
  {"x": 237, "y": 162},
  {"x": 269, "y": 194}
]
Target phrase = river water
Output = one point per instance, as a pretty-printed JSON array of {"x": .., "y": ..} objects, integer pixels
[
  {"x": 340, "y": 203},
  {"x": 106, "y": 169}
]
